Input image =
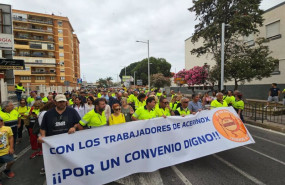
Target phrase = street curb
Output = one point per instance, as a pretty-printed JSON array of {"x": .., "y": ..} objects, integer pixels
[{"x": 272, "y": 126}]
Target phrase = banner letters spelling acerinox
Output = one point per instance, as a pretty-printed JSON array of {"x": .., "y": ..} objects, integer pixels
[{"x": 105, "y": 154}]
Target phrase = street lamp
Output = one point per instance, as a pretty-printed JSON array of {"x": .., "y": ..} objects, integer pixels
[
  {"x": 148, "y": 69},
  {"x": 135, "y": 78},
  {"x": 223, "y": 54}
]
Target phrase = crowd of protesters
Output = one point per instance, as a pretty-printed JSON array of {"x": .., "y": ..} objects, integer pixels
[{"x": 44, "y": 116}]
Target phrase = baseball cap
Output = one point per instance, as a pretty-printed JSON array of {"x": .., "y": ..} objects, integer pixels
[{"x": 60, "y": 97}]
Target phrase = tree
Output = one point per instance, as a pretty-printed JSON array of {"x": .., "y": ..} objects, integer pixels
[
  {"x": 159, "y": 80},
  {"x": 248, "y": 63},
  {"x": 242, "y": 16},
  {"x": 195, "y": 76},
  {"x": 102, "y": 82},
  {"x": 158, "y": 65},
  {"x": 109, "y": 80}
]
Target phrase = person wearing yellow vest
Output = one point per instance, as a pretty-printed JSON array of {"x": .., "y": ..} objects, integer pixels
[
  {"x": 32, "y": 98},
  {"x": 145, "y": 112},
  {"x": 183, "y": 109},
  {"x": 96, "y": 117},
  {"x": 19, "y": 89},
  {"x": 230, "y": 99},
  {"x": 172, "y": 93},
  {"x": 163, "y": 110},
  {"x": 7, "y": 148},
  {"x": 99, "y": 94},
  {"x": 22, "y": 109},
  {"x": 219, "y": 102},
  {"x": 117, "y": 117},
  {"x": 239, "y": 105},
  {"x": 11, "y": 118},
  {"x": 140, "y": 101},
  {"x": 44, "y": 99},
  {"x": 158, "y": 94},
  {"x": 72, "y": 100}
]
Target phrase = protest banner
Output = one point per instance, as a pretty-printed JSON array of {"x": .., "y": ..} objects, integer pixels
[{"x": 105, "y": 154}]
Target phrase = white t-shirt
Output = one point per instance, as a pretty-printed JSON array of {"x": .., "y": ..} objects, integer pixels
[{"x": 80, "y": 110}]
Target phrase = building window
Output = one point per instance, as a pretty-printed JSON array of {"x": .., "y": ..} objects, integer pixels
[
  {"x": 60, "y": 31},
  {"x": 39, "y": 61},
  {"x": 40, "y": 78},
  {"x": 25, "y": 78},
  {"x": 273, "y": 30},
  {"x": 276, "y": 70},
  {"x": 60, "y": 39},
  {"x": 59, "y": 23},
  {"x": 61, "y": 54},
  {"x": 62, "y": 78},
  {"x": 249, "y": 40},
  {"x": 52, "y": 78},
  {"x": 27, "y": 68},
  {"x": 62, "y": 70},
  {"x": 61, "y": 47},
  {"x": 61, "y": 63}
]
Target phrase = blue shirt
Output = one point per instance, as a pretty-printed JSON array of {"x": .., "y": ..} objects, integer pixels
[{"x": 194, "y": 107}]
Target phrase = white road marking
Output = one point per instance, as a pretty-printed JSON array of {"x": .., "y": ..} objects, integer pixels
[
  {"x": 272, "y": 158},
  {"x": 253, "y": 179},
  {"x": 265, "y": 129},
  {"x": 269, "y": 140},
  {"x": 181, "y": 176},
  {"x": 152, "y": 178}
]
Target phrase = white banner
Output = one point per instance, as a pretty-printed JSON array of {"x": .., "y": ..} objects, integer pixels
[
  {"x": 105, "y": 154},
  {"x": 6, "y": 41}
]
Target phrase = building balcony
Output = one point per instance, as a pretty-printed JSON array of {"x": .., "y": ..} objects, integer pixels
[
  {"x": 43, "y": 73},
  {"x": 20, "y": 46},
  {"x": 33, "y": 29},
  {"x": 48, "y": 22},
  {"x": 18, "y": 37},
  {"x": 33, "y": 55}
]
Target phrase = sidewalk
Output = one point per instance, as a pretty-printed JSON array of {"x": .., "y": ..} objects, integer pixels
[{"x": 266, "y": 124}]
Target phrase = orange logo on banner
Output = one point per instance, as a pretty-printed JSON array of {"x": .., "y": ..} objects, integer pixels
[{"x": 230, "y": 126}]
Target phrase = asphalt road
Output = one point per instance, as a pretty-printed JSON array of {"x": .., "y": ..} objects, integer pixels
[{"x": 259, "y": 163}]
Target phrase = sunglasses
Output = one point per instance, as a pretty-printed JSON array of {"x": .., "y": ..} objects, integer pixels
[
  {"x": 186, "y": 102},
  {"x": 165, "y": 102},
  {"x": 117, "y": 109}
]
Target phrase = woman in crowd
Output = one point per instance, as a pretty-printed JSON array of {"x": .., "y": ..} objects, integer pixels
[
  {"x": 127, "y": 110},
  {"x": 33, "y": 118},
  {"x": 79, "y": 106},
  {"x": 22, "y": 109},
  {"x": 90, "y": 104},
  {"x": 117, "y": 117},
  {"x": 107, "y": 110},
  {"x": 207, "y": 100}
]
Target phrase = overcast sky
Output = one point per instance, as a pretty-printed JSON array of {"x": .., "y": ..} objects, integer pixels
[{"x": 107, "y": 30}]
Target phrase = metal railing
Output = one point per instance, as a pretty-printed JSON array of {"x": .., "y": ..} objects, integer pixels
[
  {"x": 32, "y": 29},
  {"x": 42, "y": 72},
  {"x": 259, "y": 111},
  {"x": 33, "y": 20},
  {"x": 33, "y": 55},
  {"x": 33, "y": 38}
]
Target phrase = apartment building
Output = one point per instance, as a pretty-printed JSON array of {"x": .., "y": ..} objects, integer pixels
[
  {"x": 49, "y": 48},
  {"x": 273, "y": 29}
]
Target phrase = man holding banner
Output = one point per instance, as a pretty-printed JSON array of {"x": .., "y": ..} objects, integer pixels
[{"x": 59, "y": 120}]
